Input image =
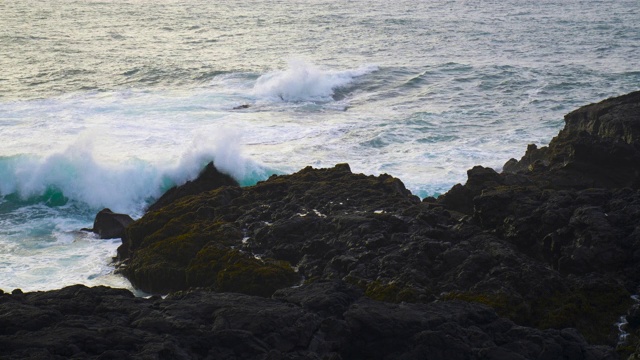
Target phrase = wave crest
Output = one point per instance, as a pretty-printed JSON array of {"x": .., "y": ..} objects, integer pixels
[{"x": 303, "y": 81}]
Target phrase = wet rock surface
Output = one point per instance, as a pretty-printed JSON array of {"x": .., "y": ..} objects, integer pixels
[{"x": 536, "y": 262}]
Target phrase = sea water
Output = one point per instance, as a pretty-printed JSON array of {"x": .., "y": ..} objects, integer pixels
[{"x": 109, "y": 103}]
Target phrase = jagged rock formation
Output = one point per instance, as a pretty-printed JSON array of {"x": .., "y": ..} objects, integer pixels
[
  {"x": 211, "y": 239},
  {"x": 598, "y": 147},
  {"x": 208, "y": 179}
]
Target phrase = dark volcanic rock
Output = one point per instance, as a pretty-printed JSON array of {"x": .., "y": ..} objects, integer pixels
[
  {"x": 102, "y": 323},
  {"x": 572, "y": 204},
  {"x": 109, "y": 225}
]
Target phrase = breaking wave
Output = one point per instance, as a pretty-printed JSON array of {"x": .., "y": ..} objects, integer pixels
[
  {"x": 303, "y": 81},
  {"x": 74, "y": 175}
]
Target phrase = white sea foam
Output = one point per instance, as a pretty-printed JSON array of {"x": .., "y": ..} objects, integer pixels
[
  {"x": 303, "y": 81},
  {"x": 77, "y": 258}
]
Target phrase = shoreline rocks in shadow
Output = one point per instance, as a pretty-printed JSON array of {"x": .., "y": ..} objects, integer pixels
[{"x": 323, "y": 320}]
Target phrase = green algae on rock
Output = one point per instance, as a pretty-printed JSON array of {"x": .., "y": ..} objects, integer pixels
[{"x": 211, "y": 239}]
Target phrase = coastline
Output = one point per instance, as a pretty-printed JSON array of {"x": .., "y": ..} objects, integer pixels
[{"x": 507, "y": 264}]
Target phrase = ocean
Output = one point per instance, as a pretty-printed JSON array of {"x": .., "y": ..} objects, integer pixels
[{"x": 110, "y": 103}]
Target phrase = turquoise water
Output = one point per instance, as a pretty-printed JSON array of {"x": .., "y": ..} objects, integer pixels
[{"x": 107, "y": 104}]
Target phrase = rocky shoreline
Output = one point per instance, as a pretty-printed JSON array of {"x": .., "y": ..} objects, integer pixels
[{"x": 537, "y": 262}]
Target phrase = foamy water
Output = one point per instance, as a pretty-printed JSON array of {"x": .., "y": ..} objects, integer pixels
[{"x": 109, "y": 104}]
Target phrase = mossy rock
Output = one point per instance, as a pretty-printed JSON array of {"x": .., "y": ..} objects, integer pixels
[
  {"x": 511, "y": 307},
  {"x": 630, "y": 348},
  {"x": 230, "y": 270},
  {"x": 191, "y": 214},
  {"x": 390, "y": 292},
  {"x": 159, "y": 268},
  {"x": 163, "y": 243},
  {"x": 179, "y": 263},
  {"x": 157, "y": 277},
  {"x": 260, "y": 278},
  {"x": 592, "y": 309},
  {"x": 182, "y": 234}
]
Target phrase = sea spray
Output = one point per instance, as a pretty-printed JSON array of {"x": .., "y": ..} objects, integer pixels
[
  {"x": 225, "y": 150},
  {"x": 75, "y": 175}
]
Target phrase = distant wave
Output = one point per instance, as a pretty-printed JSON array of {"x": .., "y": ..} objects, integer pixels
[{"x": 303, "y": 81}]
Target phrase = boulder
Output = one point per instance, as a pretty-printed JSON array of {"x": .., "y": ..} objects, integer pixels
[{"x": 110, "y": 225}]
